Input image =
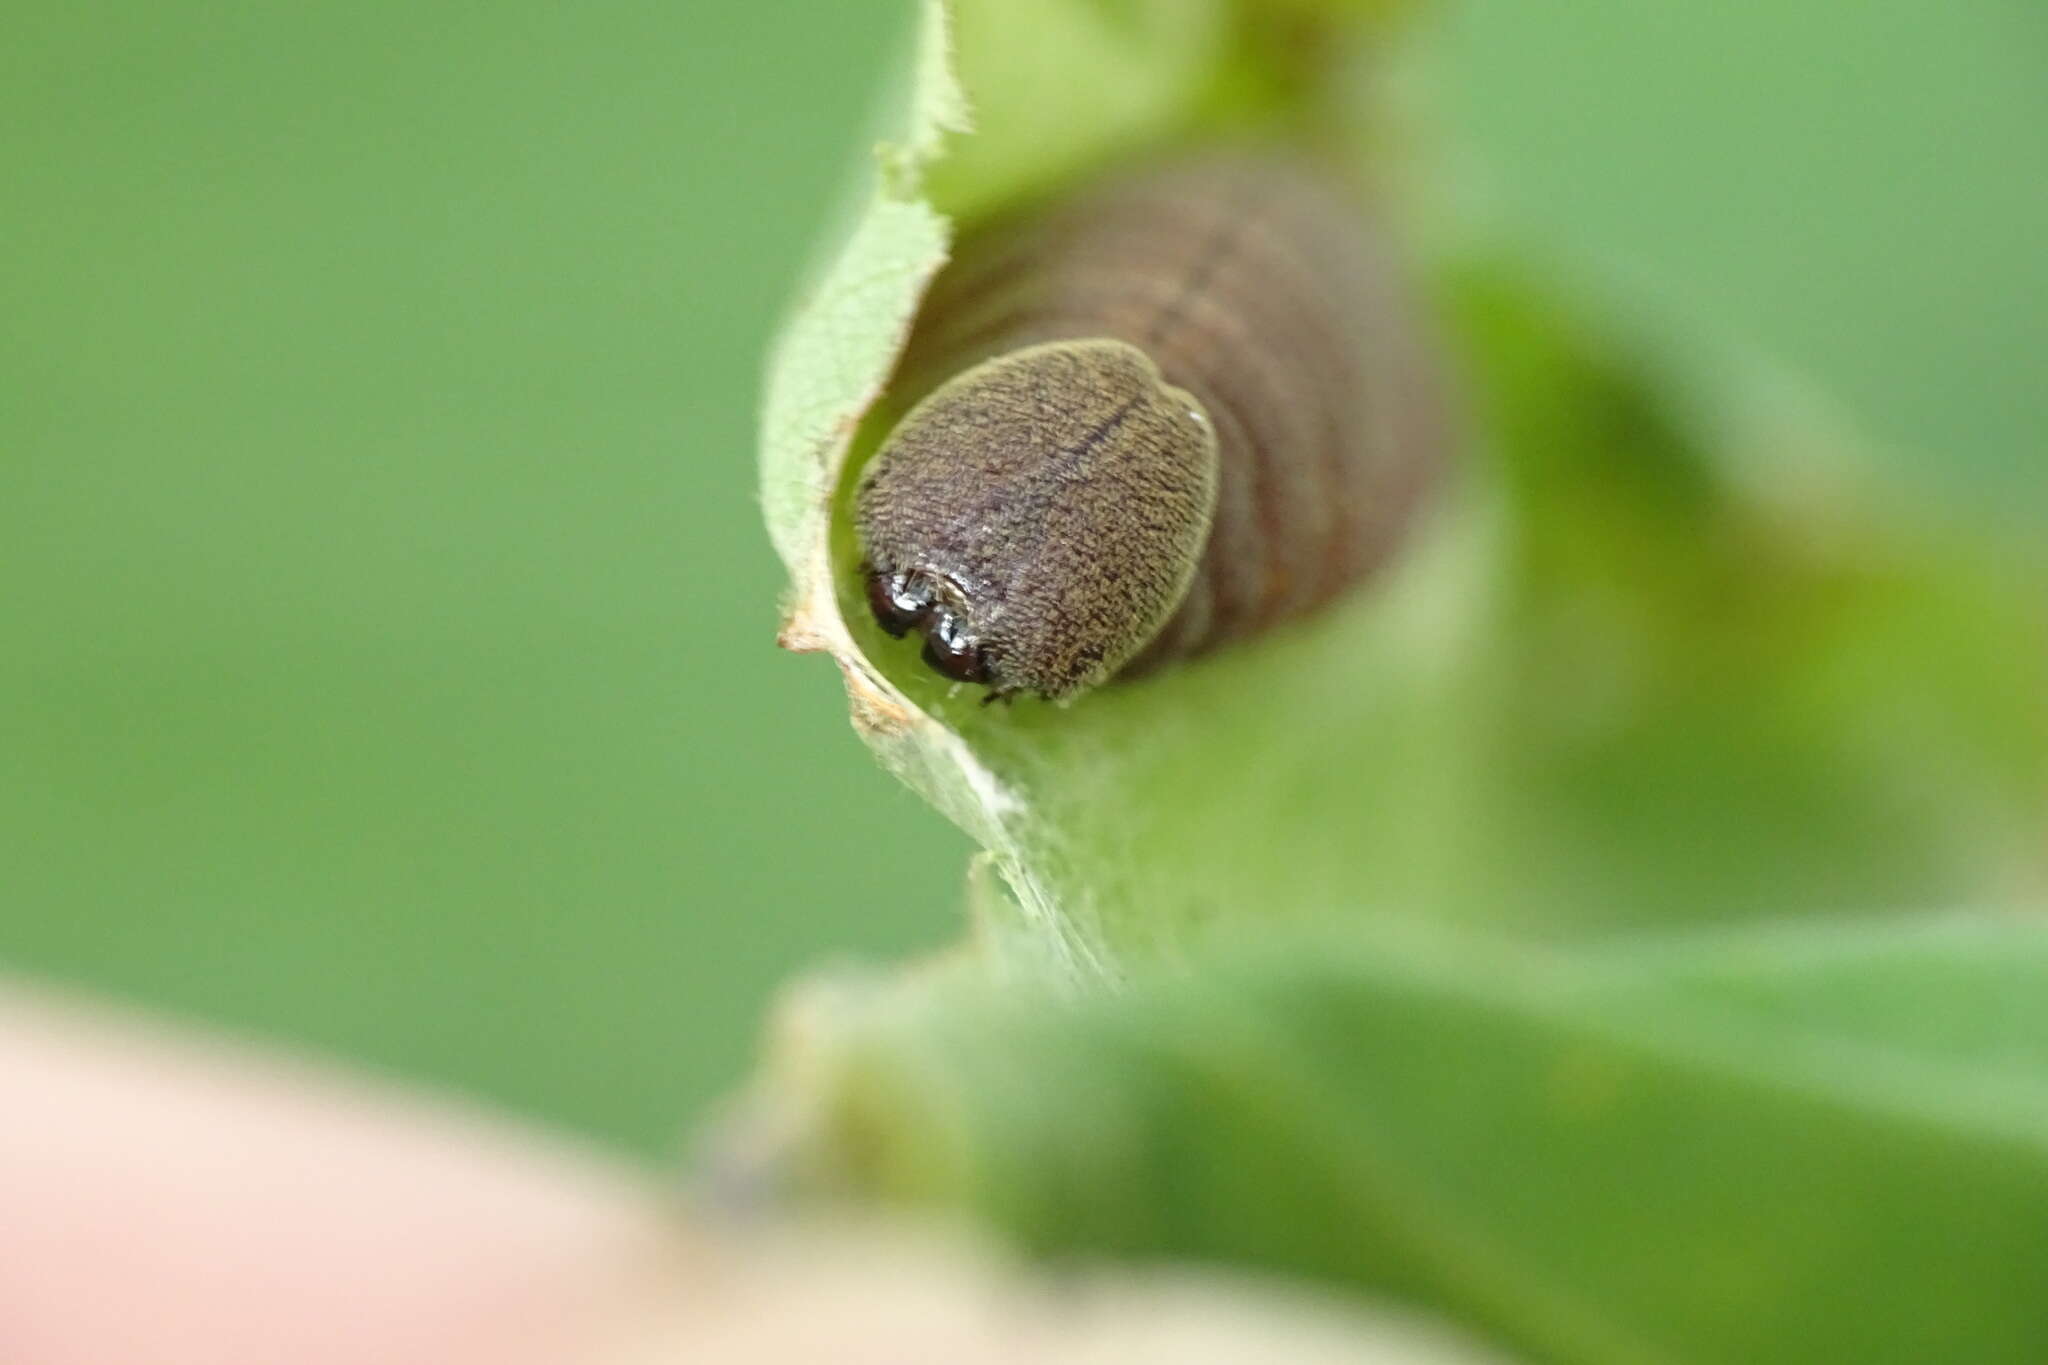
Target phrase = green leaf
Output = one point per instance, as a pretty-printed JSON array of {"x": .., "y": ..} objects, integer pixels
[
  {"x": 1141, "y": 66},
  {"x": 1751, "y": 1146},
  {"x": 1612, "y": 684},
  {"x": 829, "y": 362}
]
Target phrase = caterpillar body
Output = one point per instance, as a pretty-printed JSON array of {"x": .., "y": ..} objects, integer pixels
[{"x": 1169, "y": 412}]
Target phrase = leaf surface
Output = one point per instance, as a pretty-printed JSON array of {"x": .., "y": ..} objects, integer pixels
[{"x": 1712, "y": 1150}]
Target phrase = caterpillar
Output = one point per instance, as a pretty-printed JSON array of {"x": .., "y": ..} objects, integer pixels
[{"x": 1139, "y": 424}]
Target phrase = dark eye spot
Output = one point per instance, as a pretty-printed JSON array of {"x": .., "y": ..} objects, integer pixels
[
  {"x": 952, "y": 652},
  {"x": 901, "y": 602}
]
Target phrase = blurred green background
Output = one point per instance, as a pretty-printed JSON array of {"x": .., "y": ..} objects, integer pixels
[{"x": 385, "y": 620}]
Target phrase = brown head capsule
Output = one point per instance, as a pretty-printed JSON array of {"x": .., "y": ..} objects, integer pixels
[
  {"x": 1155, "y": 418},
  {"x": 1039, "y": 517}
]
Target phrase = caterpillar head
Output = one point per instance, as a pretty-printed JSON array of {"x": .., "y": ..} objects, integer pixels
[{"x": 1039, "y": 516}]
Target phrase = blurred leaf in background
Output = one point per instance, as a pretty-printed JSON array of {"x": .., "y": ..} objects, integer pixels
[
  {"x": 1706, "y": 1149},
  {"x": 1860, "y": 193}
]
